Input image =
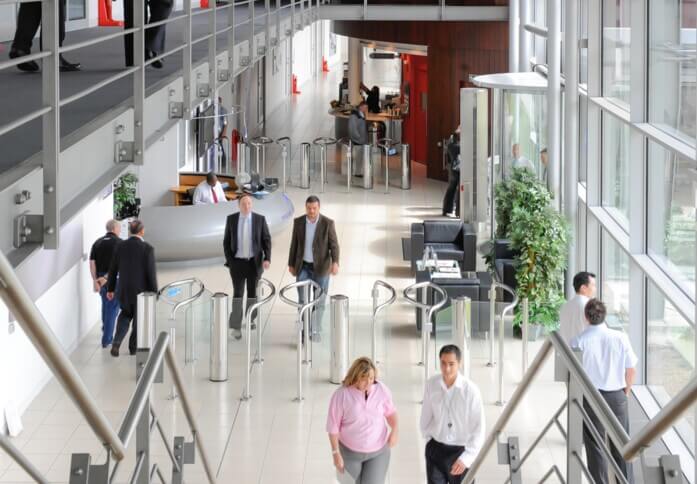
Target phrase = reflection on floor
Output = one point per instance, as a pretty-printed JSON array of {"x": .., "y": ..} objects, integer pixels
[{"x": 271, "y": 439}]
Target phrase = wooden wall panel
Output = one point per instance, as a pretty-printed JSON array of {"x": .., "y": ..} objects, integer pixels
[{"x": 456, "y": 50}]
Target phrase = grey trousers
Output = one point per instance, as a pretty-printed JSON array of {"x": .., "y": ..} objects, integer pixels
[
  {"x": 366, "y": 468},
  {"x": 597, "y": 465}
]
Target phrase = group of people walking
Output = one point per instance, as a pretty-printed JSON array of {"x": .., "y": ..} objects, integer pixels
[{"x": 363, "y": 426}]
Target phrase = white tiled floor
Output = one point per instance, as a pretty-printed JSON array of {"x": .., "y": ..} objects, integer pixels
[{"x": 271, "y": 439}]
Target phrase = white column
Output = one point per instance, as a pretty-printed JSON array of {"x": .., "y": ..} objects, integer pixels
[
  {"x": 525, "y": 37},
  {"x": 554, "y": 95},
  {"x": 571, "y": 136},
  {"x": 355, "y": 70},
  {"x": 513, "y": 28}
]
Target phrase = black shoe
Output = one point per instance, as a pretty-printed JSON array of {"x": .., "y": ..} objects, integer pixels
[
  {"x": 30, "y": 66},
  {"x": 132, "y": 352},
  {"x": 115, "y": 350},
  {"x": 158, "y": 64},
  {"x": 66, "y": 66}
]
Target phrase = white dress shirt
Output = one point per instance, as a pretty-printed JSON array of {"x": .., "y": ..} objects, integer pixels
[
  {"x": 572, "y": 317},
  {"x": 244, "y": 237},
  {"x": 523, "y": 162},
  {"x": 459, "y": 405},
  {"x": 204, "y": 193},
  {"x": 310, "y": 229},
  {"x": 606, "y": 356}
]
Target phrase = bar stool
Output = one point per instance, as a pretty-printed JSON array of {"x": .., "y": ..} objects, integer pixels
[{"x": 323, "y": 142}]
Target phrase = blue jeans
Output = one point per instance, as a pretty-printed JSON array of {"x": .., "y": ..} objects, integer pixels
[
  {"x": 110, "y": 309},
  {"x": 308, "y": 273}
]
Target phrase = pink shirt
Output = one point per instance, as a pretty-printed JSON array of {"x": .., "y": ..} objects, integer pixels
[{"x": 361, "y": 423}]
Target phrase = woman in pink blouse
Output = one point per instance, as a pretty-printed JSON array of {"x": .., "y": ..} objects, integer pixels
[{"x": 359, "y": 414}]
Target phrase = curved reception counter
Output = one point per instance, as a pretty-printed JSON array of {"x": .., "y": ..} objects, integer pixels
[{"x": 194, "y": 232}]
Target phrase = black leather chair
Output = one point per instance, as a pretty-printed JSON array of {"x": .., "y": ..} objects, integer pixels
[
  {"x": 504, "y": 264},
  {"x": 451, "y": 239}
]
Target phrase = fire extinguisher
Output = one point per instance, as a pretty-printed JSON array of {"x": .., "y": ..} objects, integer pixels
[
  {"x": 295, "y": 84},
  {"x": 234, "y": 141}
]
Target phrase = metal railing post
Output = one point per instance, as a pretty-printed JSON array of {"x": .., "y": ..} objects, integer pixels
[
  {"x": 376, "y": 309},
  {"x": 172, "y": 343},
  {"x": 21, "y": 460},
  {"x": 386, "y": 144},
  {"x": 250, "y": 312},
  {"x": 307, "y": 327},
  {"x": 502, "y": 334},
  {"x": 286, "y": 147},
  {"x": 525, "y": 328},
  {"x": 349, "y": 161},
  {"x": 462, "y": 327},
  {"x": 574, "y": 431},
  {"x": 406, "y": 167},
  {"x": 339, "y": 361},
  {"x": 492, "y": 323},
  {"x": 147, "y": 322},
  {"x": 323, "y": 142},
  {"x": 305, "y": 165},
  {"x": 218, "y": 367},
  {"x": 262, "y": 282},
  {"x": 427, "y": 324},
  {"x": 189, "y": 331}
]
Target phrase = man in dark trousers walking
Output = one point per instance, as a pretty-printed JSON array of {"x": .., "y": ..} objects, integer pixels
[
  {"x": 247, "y": 247},
  {"x": 134, "y": 265},
  {"x": 28, "y": 22},
  {"x": 155, "y": 10},
  {"x": 100, "y": 261}
]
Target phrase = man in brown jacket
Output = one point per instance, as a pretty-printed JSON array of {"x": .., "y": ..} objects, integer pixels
[{"x": 314, "y": 249}]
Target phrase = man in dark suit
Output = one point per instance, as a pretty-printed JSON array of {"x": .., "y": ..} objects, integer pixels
[
  {"x": 314, "y": 249},
  {"x": 247, "y": 247},
  {"x": 155, "y": 10},
  {"x": 28, "y": 22},
  {"x": 134, "y": 264}
]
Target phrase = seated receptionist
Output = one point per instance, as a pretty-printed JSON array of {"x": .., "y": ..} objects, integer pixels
[{"x": 209, "y": 191}]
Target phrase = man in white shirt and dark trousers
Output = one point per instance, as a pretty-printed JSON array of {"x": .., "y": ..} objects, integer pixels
[
  {"x": 572, "y": 316},
  {"x": 452, "y": 421},
  {"x": 209, "y": 191},
  {"x": 610, "y": 363}
]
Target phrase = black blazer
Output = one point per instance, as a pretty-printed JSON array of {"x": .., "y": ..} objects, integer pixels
[
  {"x": 325, "y": 245},
  {"x": 261, "y": 239},
  {"x": 134, "y": 263}
]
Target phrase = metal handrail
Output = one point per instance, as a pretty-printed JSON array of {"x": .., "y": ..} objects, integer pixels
[
  {"x": 44, "y": 340},
  {"x": 303, "y": 308},
  {"x": 21, "y": 460},
  {"x": 426, "y": 324},
  {"x": 248, "y": 330},
  {"x": 183, "y": 282},
  {"x": 376, "y": 309},
  {"x": 591, "y": 395},
  {"x": 502, "y": 327},
  {"x": 386, "y": 144}
]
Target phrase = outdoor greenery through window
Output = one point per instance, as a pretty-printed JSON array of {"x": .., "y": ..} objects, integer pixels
[
  {"x": 614, "y": 290},
  {"x": 615, "y": 169},
  {"x": 672, "y": 67},
  {"x": 670, "y": 354},
  {"x": 616, "y": 51},
  {"x": 671, "y": 215}
]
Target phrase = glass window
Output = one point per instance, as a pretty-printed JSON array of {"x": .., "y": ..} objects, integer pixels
[
  {"x": 583, "y": 139},
  {"x": 583, "y": 45},
  {"x": 672, "y": 185},
  {"x": 76, "y": 9},
  {"x": 672, "y": 67},
  {"x": 670, "y": 355},
  {"x": 616, "y": 52},
  {"x": 525, "y": 132},
  {"x": 615, "y": 168},
  {"x": 614, "y": 290}
]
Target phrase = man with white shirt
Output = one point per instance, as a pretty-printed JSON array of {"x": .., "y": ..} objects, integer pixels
[
  {"x": 572, "y": 318},
  {"x": 209, "y": 191},
  {"x": 520, "y": 161},
  {"x": 452, "y": 421},
  {"x": 610, "y": 362},
  {"x": 247, "y": 248}
]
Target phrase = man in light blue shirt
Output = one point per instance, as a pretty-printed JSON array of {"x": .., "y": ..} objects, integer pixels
[{"x": 610, "y": 362}]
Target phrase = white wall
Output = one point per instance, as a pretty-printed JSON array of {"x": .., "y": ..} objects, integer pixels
[{"x": 160, "y": 173}]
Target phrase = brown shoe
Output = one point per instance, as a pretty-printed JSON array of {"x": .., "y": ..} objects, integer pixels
[{"x": 115, "y": 350}]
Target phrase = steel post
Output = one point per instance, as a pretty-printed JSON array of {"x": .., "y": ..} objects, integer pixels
[
  {"x": 246, "y": 395},
  {"x": 406, "y": 167},
  {"x": 525, "y": 327},
  {"x": 219, "y": 328},
  {"x": 492, "y": 323},
  {"x": 367, "y": 166},
  {"x": 349, "y": 165},
  {"x": 147, "y": 322},
  {"x": 284, "y": 161},
  {"x": 502, "y": 330},
  {"x": 305, "y": 165},
  {"x": 307, "y": 296},
  {"x": 461, "y": 315},
  {"x": 172, "y": 344},
  {"x": 339, "y": 338}
]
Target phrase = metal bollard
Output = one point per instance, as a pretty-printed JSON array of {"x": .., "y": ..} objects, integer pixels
[
  {"x": 526, "y": 320},
  {"x": 190, "y": 332},
  {"x": 305, "y": 149},
  {"x": 257, "y": 158},
  {"x": 322, "y": 167},
  {"x": 462, "y": 328},
  {"x": 307, "y": 326},
  {"x": 219, "y": 357},
  {"x": 349, "y": 165},
  {"x": 406, "y": 167},
  {"x": 147, "y": 321},
  {"x": 286, "y": 147},
  {"x": 492, "y": 323},
  {"x": 367, "y": 167},
  {"x": 243, "y": 165},
  {"x": 172, "y": 343},
  {"x": 340, "y": 338}
]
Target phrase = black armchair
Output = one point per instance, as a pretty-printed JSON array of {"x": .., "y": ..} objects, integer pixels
[
  {"x": 504, "y": 263},
  {"x": 451, "y": 239}
]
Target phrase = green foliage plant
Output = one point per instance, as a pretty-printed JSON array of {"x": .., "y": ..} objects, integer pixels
[
  {"x": 124, "y": 195},
  {"x": 539, "y": 234}
]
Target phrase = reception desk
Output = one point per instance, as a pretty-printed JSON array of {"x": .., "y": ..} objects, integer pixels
[
  {"x": 393, "y": 123},
  {"x": 195, "y": 232}
]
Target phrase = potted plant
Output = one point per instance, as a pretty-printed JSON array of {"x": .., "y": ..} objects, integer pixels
[
  {"x": 538, "y": 235},
  {"x": 125, "y": 202}
]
